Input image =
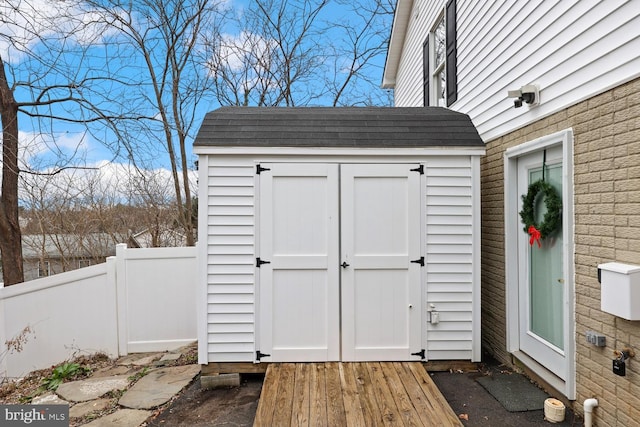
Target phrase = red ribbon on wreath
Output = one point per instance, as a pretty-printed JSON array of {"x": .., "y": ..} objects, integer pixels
[{"x": 534, "y": 236}]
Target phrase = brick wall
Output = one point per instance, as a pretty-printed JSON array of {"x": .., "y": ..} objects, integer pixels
[{"x": 607, "y": 228}]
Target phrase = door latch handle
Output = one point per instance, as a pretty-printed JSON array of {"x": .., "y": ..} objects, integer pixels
[{"x": 344, "y": 264}]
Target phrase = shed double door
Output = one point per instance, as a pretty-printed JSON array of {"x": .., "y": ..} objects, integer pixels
[{"x": 339, "y": 271}]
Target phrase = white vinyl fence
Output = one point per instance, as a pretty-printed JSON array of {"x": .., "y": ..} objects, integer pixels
[{"x": 140, "y": 300}]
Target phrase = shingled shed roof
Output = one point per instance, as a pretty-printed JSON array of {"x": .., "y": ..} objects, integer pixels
[{"x": 373, "y": 127}]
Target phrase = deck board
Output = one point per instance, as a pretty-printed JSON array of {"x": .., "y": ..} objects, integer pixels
[
  {"x": 301, "y": 396},
  {"x": 284, "y": 398},
  {"x": 318, "y": 400},
  {"x": 400, "y": 395},
  {"x": 352, "y": 394},
  {"x": 335, "y": 401}
]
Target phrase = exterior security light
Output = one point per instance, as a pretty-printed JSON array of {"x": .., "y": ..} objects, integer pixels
[{"x": 527, "y": 93}]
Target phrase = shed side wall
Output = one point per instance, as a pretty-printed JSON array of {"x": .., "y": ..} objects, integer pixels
[{"x": 449, "y": 257}]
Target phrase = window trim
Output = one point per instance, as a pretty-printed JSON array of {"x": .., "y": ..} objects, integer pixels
[
  {"x": 449, "y": 65},
  {"x": 426, "y": 73},
  {"x": 451, "y": 41},
  {"x": 82, "y": 263},
  {"x": 44, "y": 269}
]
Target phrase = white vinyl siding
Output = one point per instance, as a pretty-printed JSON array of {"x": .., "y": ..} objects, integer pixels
[
  {"x": 572, "y": 49},
  {"x": 230, "y": 262},
  {"x": 409, "y": 80},
  {"x": 449, "y": 257},
  {"x": 228, "y": 239}
]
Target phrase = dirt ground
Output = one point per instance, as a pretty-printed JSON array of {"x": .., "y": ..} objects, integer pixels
[
  {"x": 195, "y": 407},
  {"x": 236, "y": 406}
]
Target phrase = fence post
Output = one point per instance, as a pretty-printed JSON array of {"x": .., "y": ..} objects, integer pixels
[
  {"x": 113, "y": 297},
  {"x": 201, "y": 302},
  {"x": 121, "y": 298}
]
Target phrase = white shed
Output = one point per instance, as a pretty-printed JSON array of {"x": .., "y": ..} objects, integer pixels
[{"x": 338, "y": 234}]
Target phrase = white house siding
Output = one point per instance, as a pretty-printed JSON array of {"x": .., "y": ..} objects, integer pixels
[
  {"x": 408, "y": 87},
  {"x": 449, "y": 258},
  {"x": 230, "y": 263},
  {"x": 572, "y": 49}
]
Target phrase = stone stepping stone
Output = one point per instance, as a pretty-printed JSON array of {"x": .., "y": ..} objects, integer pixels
[
  {"x": 170, "y": 357},
  {"x": 139, "y": 359},
  {"x": 92, "y": 388},
  {"x": 121, "y": 418},
  {"x": 167, "y": 359},
  {"x": 85, "y": 408},
  {"x": 111, "y": 371},
  {"x": 158, "y": 387},
  {"x": 48, "y": 399}
]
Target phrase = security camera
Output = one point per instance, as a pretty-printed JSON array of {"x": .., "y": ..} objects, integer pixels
[{"x": 527, "y": 93}]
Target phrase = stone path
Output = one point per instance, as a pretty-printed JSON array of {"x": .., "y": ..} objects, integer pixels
[
  {"x": 158, "y": 387},
  {"x": 155, "y": 384},
  {"x": 93, "y": 388}
]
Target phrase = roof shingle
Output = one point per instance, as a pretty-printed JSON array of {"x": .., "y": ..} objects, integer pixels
[{"x": 374, "y": 127}]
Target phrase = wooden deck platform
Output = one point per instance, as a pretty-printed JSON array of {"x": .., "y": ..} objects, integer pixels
[{"x": 351, "y": 394}]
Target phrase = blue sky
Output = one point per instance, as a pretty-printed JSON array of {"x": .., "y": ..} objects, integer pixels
[{"x": 66, "y": 143}]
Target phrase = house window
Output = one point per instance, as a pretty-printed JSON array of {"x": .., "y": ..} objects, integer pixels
[
  {"x": 84, "y": 263},
  {"x": 44, "y": 269},
  {"x": 440, "y": 83}
]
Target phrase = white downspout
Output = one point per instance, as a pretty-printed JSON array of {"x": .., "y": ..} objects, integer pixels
[{"x": 589, "y": 404}]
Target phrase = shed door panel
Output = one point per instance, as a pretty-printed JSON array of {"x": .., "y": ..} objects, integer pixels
[
  {"x": 381, "y": 300},
  {"x": 314, "y": 217},
  {"x": 299, "y": 288}
]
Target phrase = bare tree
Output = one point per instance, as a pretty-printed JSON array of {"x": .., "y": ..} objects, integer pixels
[
  {"x": 136, "y": 76},
  {"x": 71, "y": 220},
  {"x": 39, "y": 83},
  {"x": 166, "y": 37},
  {"x": 303, "y": 52},
  {"x": 125, "y": 75},
  {"x": 10, "y": 236},
  {"x": 76, "y": 217},
  {"x": 357, "y": 68},
  {"x": 276, "y": 57}
]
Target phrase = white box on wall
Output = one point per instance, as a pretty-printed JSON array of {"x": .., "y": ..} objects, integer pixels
[{"x": 620, "y": 289}]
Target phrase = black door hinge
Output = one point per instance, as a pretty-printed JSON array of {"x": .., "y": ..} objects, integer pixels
[
  {"x": 419, "y": 261},
  {"x": 419, "y": 353},
  {"x": 260, "y": 355},
  {"x": 259, "y": 262},
  {"x": 419, "y": 169},
  {"x": 260, "y": 169}
]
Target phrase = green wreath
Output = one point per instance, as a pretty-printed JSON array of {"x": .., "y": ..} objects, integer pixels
[{"x": 552, "y": 218}]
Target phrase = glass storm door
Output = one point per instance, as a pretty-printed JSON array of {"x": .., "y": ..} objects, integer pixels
[{"x": 542, "y": 298}]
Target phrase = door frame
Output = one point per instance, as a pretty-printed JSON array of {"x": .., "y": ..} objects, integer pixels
[
  {"x": 328, "y": 262},
  {"x": 349, "y": 173},
  {"x": 259, "y": 341},
  {"x": 513, "y": 226}
]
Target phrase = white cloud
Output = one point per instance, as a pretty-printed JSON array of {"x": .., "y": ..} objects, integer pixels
[
  {"x": 36, "y": 149},
  {"x": 103, "y": 180},
  {"x": 24, "y": 24},
  {"x": 236, "y": 51}
]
